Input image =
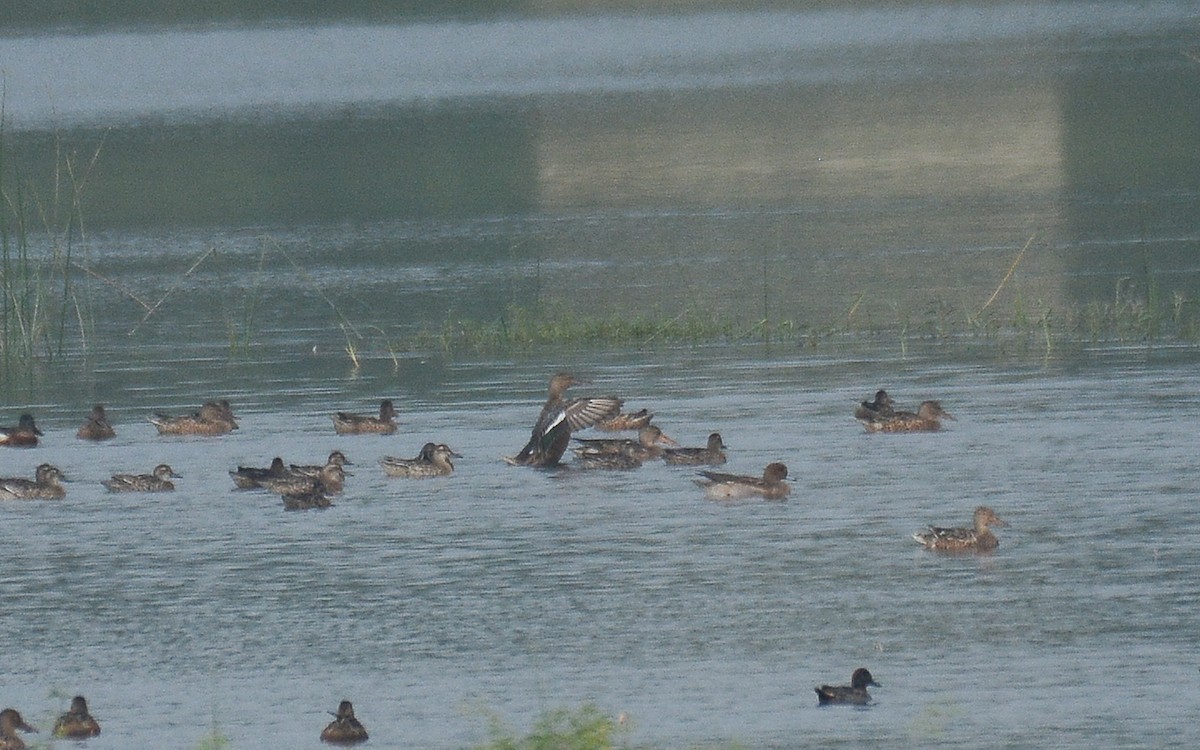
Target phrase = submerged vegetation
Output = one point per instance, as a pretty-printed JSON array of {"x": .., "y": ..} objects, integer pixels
[
  {"x": 1131, "y": 316},
  {"x": 1139, "y": 312}
]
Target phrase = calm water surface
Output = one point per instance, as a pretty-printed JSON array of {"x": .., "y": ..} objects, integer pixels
[
  {"x": 502, "y": 589},
  {"x": 355, "y": 183}
]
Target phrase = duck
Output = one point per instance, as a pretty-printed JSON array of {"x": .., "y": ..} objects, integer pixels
[
  {"x": 345, "y": 729},
  {"x": 96, "y": 427},
  {"x": 213, "y": 418},
  {"x": 358, "y": 424},
  {"x": 46, "y": 485},
  {"x": 77, "y": 723},
  {"x": 432, "y": 461},
  {"x": 306, "y": 499},
  {"x": 855, "y": 693},
  {"x": 926, "y": 419},
  {"x": 10, "y": 722},
  {"x": 771, "y": 486},
  {"x": 330, "y": 481},
  {"x": 252, "y": 477},
  {"x": 625, "y": 422},
  {"x": 712, "y": 454},
  {"x": 881, "y": 407},
  {"x": 336, "y": 457},
  {"x": 559, "y": 418},
  {"x": 978, "y": 538},
  {"x": 647, "y": 446},
  {"x": 158, "y": 480},
  {"x": 24, "y": 435},
  {"x": 620, "y": 460}
]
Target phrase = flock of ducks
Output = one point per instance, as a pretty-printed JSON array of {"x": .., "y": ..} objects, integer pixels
[
  {"x": 75, "y": 724},
  {"x": 303, "y": 487},
  {"x": 78, "y": 724},
  {"x": 345, "y": 729}
]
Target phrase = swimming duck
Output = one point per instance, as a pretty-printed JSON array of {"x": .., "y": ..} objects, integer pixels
[
  {"x": 158, "y": 480},
  {"x": 96, "y": 427},
  {"x": 307, "y": 499},
  {"x": 855, "y": 693},
  {"x": 10, "y": 722},
  {"x": 213, "y": 418},
  {"x": 713, "y": 454},
  {"x": 623, "y": 422},
  {"x": 432, "y": 461},
  {"x": 24, "y": 435},
  {"x": 336, "y": 458},
  {"x": 771, "y": 486},
  {"x": 46, "y": 485},
  {"x": 620, "y": 460},
  {"x": 345, "y": 729},
  {"x": 559, "y": 417},
  {"x": 357, "y": 424},
  {"x": 646, "y": 447},
  {"x": 979, "y": 538},
  {"x": 926, "y": 419},
  {"x": 881, "y": 408},
  {"x": 251, "y": 477},
  {"x": 330, "y": 481},
  {"x": 77, "y": 723}
]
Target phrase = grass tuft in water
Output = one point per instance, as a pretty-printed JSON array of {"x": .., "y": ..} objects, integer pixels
[
  {"x": 585, "y": 728},
  {"x": 215, "y": 739}
]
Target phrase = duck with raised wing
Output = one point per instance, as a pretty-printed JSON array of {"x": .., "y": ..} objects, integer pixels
[
  {"x": 927, "y": 418},
  {"x": 432, "y": 461},
  {"x": 854, "y": 694},
  {"x": 46, "y": 485},
  {"x": 626, "y": 422},
  {"x": 712, "y": 454},
  {"x": 359, "y": 424},
  {"x": 96, "y": 427},
  {"x": 881, "y": 407},
  {"x": 77, "y": 723},
  {"x": 10, "y": 722},
  {"x": 771, "y": 486},
  {"x": 559, "y": 418},
  {"x": 978, "y": 538},
  {"x": 648, "y": 445},
  {"x": 252, "y": 477},
  {"x": 158, "y": 480},
  {"x": 213, "y": 418},
  {"x": 345, "y": 729},
  {"x": 24, "y": 435}
]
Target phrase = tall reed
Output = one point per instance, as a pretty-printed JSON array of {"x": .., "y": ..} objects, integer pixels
[{"x": 41, "y": 234}]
